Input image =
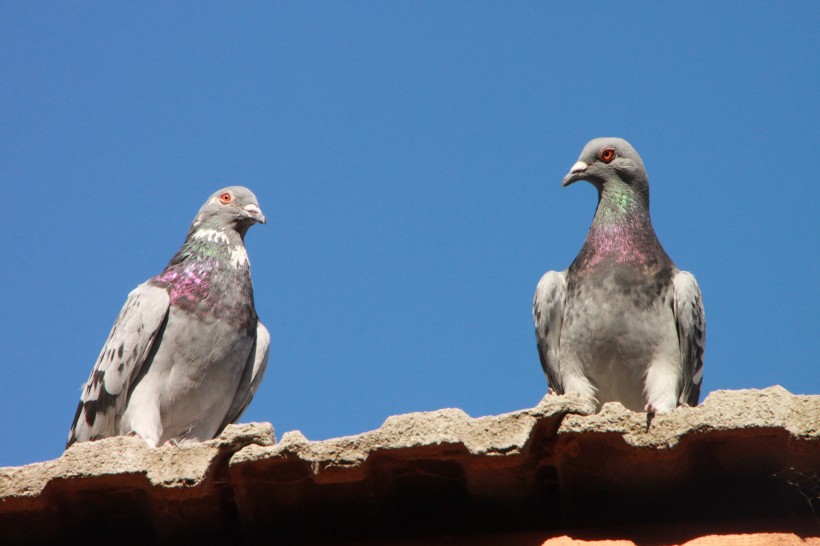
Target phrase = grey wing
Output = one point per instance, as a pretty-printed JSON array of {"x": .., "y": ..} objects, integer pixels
[
  {"x": 691, "y": 322},
  {"x": 134, "y": 333},
  {"x": 548, "y": 313},
  {"x": 251, "y": 377}
]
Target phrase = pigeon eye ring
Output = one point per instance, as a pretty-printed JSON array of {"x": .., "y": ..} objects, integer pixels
[{"x": 607, "y": 154}]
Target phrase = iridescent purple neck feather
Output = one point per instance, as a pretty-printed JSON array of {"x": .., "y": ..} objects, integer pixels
[
  {"x": 621, "y": 232},
  {"x": 210, "y": 275}
]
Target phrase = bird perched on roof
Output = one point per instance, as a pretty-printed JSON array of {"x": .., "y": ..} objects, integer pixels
[
  {"x": 187, "y": 351},
  {"x": 622, "y": 323}
]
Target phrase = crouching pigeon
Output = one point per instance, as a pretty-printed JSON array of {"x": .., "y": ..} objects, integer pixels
[
  {"x": 187, "y": 351},
  {"x": 622, "y": 323}
]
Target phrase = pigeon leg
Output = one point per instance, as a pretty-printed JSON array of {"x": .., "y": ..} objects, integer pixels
[{"x": 651, "y": 411}]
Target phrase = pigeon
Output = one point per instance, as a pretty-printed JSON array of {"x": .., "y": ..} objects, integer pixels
[
  {"x": 187, "y": 352},
  {"x": 622, "y": 323}
]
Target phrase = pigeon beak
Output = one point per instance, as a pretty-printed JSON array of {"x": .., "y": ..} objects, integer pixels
[
  {"x": 576, "y": 173},
  {"x": 255, "y": 213}
]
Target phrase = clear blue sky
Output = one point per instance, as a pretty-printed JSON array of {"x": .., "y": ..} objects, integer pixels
[{"x": 408, "y": 157}]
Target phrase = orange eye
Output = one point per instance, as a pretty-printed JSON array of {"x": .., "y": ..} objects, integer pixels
[
  {"x": 226, "y": 198},
  {"x": 606, "y": 154}
]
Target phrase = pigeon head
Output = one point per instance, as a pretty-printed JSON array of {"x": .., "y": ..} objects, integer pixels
[
  {"x": 234, "y": 207},
  {"x": 610, "y": 161}
]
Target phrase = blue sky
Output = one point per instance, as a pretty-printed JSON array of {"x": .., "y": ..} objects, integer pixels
[{"x": 408, "y": 157}]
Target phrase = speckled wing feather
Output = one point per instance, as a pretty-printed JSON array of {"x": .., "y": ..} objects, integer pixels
[
  {"x": 251, "y": 377},
  {"x": 547, "y": 313},
  {"x": 127, "y": 348},
  {"x": 691, "y": 322}
]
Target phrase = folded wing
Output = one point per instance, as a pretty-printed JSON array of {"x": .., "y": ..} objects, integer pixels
[
  {"x": 251, "y": 377},
  {"x": 135, "y": 332},
  {"x": 691, "y": 323},
  {"x": 547, "y": 313}
]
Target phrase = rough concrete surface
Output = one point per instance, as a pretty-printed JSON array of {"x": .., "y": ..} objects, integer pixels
[{"x": 742, "y": 462}]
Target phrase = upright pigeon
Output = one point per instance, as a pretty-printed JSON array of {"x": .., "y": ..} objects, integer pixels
[
  {"x": 187, "y": 351},
  {"x": 622, "y": 323}
]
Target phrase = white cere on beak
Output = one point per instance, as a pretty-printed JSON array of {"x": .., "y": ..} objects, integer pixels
[
  {"x": 255, "y": 212},
  {"x": 578, "y": 168}
]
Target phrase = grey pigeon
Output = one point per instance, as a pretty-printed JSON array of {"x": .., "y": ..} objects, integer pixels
[
  {"x": 187, "y": 351},
  {"x": 622, "y": 323}
]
